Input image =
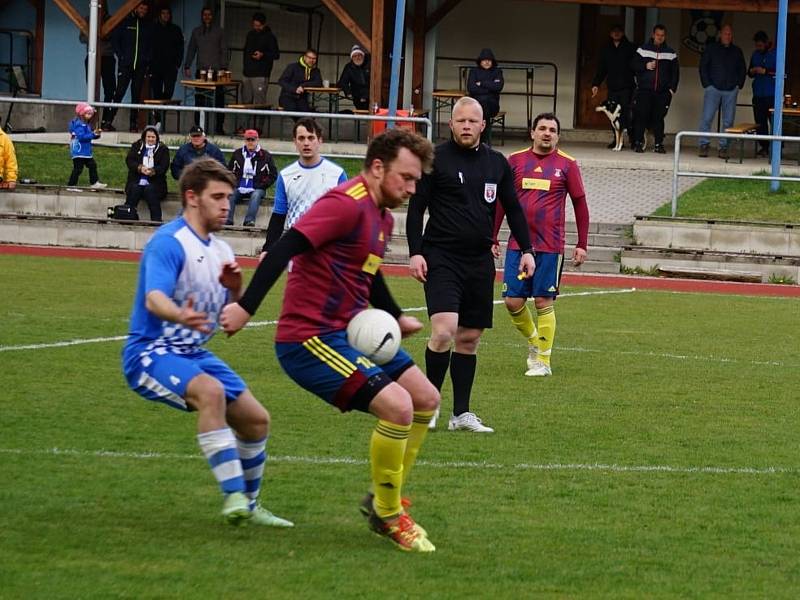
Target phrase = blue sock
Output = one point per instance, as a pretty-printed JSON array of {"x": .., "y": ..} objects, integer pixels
[
  {"x": 253, "y": 456},
  {"x": 219, "y": 448}
]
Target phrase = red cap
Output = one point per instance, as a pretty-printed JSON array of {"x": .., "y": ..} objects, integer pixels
[{"x": 251, "y": 133}]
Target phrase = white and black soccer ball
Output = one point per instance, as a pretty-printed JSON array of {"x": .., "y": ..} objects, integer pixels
[
  {"x": 704, "y": 30},
  {"x": 376, "y": 334}
]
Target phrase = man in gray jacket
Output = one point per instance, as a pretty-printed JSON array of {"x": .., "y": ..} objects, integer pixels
[
  {"x": 208, "y": 43},
  {"x": 722, "y": 73}
]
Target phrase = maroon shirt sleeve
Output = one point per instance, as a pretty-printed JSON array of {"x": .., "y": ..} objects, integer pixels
[{"x": 579, "y": 204}]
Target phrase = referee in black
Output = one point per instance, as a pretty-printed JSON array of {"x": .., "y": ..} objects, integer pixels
[{"x": 454, "y": 257}]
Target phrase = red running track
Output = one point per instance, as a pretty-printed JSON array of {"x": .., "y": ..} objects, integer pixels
[{"x": 572, "y": 278}]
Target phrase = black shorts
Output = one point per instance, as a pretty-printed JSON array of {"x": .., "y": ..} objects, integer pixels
[{"x": 460, "y": 284}]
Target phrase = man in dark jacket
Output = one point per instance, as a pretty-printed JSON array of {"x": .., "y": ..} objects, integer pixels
[
  {"x": 296, "y": 78},
  {"x": 657, "y": 75},
  {"x": 260, "y": 51},
  {"x": 614, "y": 67},
  {"x": 207, "y": 43},
  {"x": 762, "y": 69},
  {"x": 168, "y": 47},
  {"x": 148, "y": 163},
  {"x": 484, "y": 83},
  {"x": 354, "y": 81},
  {"x": 722, "y": 74},
  {"x": 198, "y": 146},
  {"x": 133, "y": 44},
  {"x": 255, "y": 171}
]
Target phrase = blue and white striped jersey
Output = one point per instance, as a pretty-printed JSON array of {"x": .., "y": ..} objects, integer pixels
[{"x": 299, "y": 187}]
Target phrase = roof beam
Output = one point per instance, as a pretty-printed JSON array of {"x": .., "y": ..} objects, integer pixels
[
  {"x": 349, "y": 23},
  {"x": 118, "y": 17},
  {"x": 753, "y": 6}
]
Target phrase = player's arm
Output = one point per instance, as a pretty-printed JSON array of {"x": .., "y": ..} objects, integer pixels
[
  {"x": 278, "y": 218},
  {"x": 577, "y": 193},
  {"x": 158, "y": 303},
  {"x": 516, "y": 219},
  {"x": 381, "y": 297},
  {"x": 414, "y": 219}
]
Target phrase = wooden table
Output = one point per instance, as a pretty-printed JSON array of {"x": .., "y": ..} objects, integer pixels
[
  {"x": 333, "y": 95},
  {"x": 791, "y": 117},
  {"x": 208, "y": 89},
  {"x": 443, "y": 99}
]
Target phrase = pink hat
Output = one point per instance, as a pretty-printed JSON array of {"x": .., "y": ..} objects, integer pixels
[
  {"x": 82, "y": 108},
  {"x": 251, "y": 133}
]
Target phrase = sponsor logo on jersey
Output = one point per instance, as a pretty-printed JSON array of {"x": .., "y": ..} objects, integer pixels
[
  {"x": 534, "y": 183},
  {"x": 490, "y": 192}
]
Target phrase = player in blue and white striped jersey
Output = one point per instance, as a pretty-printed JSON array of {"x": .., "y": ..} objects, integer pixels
[
  {"x": 303, "y": 182},
  {"x": 186, "y": 276}
]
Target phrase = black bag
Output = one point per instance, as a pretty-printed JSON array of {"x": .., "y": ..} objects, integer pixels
[{"x": 123, "y": 212}]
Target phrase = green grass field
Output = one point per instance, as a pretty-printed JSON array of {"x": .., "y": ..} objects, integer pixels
[{"x": 660, "y": 460}]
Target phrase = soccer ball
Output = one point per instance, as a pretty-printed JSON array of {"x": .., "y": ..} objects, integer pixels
[
  {"x": 704, "y": 30},
  {"x": 376, "y": 334}
]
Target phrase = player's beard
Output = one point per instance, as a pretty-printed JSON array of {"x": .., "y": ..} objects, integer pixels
[{"x": 389, "y": 199}]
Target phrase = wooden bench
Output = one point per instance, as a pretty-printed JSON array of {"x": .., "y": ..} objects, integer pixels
[
  {"x": 256, "y": 120},
  {"x": 161, "y": 114},
  {"x": 745, "y": 128}
]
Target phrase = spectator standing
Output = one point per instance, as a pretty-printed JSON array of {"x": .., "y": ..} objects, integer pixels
[
  {"x": 108, "y": 67},
  {"x": 198, "y": 146},
  {"x": 722, "y": 74},
  {"x": 148, "y": 163},
  {"x": 260, "y": 51},
  {"x": 296, "y": 78},
  {"x": 207, "y": 44},
  {"x": 81, "y": 137},
  {"x": 614, "y": 67},
  {"x": 8, "y": 162},
  {"x": 168, "y": 47},
  {"x": 303, "y": 182},
  {"x": 657, "y": 75},
  {"x": 255, "y": 171},
  {"x": 484, "y": 83},
  {"x": 133, "y": 44},
  {"x": 762, "y": 70},
  {"x": 354, "y": 80}
]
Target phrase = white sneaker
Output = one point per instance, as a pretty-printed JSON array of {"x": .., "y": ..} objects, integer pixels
[
  {"x": 432, "y": 424},
  {"x": 98, "y": 185},
  {"x": 539, "y": 369},
  {"x": 533, "y": 355},
  {"x": 469, "y": 422}
]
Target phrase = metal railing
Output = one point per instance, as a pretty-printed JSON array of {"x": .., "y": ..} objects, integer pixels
[
  {"x": 744, "y": 137},
  {"x": 232, "y": 111}
]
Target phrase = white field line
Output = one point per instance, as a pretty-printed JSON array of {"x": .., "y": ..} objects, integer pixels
[
  {"x": 349, "y": 461},
  {"x": 117, "y": 338}
]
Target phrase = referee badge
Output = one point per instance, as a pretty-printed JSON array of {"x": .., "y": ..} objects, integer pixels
[{"x": 490, "y": 192}]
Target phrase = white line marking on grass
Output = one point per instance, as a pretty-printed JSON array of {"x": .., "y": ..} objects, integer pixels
[
  {"x": 117, "y": 338},
  {"x": 349, "y": 461}
]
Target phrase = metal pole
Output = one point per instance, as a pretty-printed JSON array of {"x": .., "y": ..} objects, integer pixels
[
  {"x": 780, "y": 73},
  {"x": 675, "y": 165},
  {"x": 397, "y": 49},
  {"x": 91, "y": 62}
]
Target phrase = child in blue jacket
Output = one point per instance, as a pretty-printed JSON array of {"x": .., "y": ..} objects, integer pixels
[{"x": 80, "y": 146}]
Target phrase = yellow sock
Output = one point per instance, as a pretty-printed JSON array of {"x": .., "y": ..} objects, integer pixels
[
  {"x": 523, "y": 321},
  {"x": 419, "y": 429},
  {"x": 386, "y": 450},
  {"x": 547, "y": 332}
]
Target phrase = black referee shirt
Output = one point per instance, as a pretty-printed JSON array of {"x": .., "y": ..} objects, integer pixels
[{"x": 461, "y": 195}]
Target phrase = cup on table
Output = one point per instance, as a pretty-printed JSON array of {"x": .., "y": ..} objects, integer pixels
[{"x": 326, "y": 83}]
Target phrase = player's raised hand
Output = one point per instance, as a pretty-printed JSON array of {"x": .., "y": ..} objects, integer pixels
[
  {"x": 233, "y": 318},
  {"x": 409, "y": 325},
  {"x": 418, "y": 268},
  {"x": 526, "y": 266},
  {"x": 194, "y": 319},
  {"x": 579, "y": 257},
  {"x": 231, "y": 276}
]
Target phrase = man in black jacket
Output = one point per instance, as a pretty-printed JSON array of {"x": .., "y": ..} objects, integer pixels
[
  {"x": 255, "y": 171},
  {"x": 484, "y": 83},
  {"x": 722, "y": 73},
  {"x": 354, "y": 81},
  {"x": 168, "y": 47},
  {"x": 296, "y": 78},
  {"x": 260, "y": 51},
  {"x": 657, "y": 75},
  {"x": 132, "y": 40},
  {"x": 454, "y": 256},
  {"x": 614, "y": 67}
]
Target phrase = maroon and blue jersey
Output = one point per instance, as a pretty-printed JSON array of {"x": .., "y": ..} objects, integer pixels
[
  {"x": 542, "y": 183},
  {"x": 327, "y": 287}
]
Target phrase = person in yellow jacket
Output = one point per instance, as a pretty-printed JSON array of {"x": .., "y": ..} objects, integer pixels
[{"x": 8, "y": 162}]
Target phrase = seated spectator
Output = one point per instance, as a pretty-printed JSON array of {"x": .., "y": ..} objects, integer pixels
[
  {"x": 295, "y": 79},
  {"x": 148, "y": 161},
  {"x": 484, "y": 83},
  {"x": 8, "y": 162},
  {"x": 198, "y": 146},
  {"x": 354, "y": 80},
  {"x": 255, "y": 170}
]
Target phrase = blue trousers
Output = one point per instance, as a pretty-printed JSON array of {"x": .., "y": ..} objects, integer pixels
[
  {"x": 725, "y": 102},
  {"x": 253, "y": 204}
]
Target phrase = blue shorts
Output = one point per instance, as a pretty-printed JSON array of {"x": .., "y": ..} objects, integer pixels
[
  {"x": 162, "y": 375},
  {"x": 329, "y": 367},
  {"x": 545, "y": 281}
]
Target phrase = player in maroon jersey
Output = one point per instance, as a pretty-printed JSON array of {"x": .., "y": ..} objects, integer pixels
[
  {"x": 543, "y": 176},
  {"x": 336, "y": 250}
]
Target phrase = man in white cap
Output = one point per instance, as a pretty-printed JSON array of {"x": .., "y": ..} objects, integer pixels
[{"x": 354, "y": 81}]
